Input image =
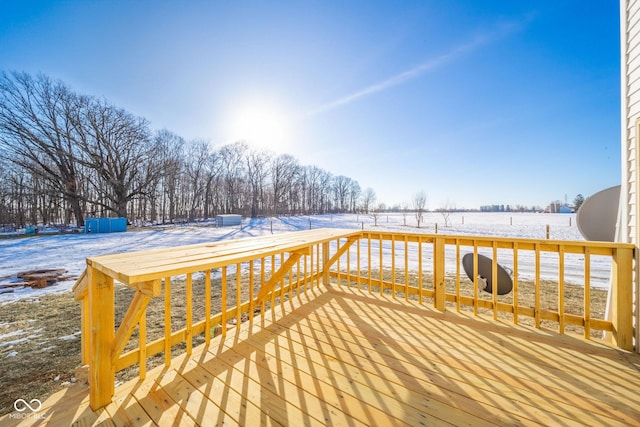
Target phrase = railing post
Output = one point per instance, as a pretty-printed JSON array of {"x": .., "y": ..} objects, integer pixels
[
  {"x": 101, "y": 318},
  {"x": 325, "y": 261},
  {"x": 438, "y": 274},
  {"x": 84, "y": 329},
  {"x": 622, "y": 298}
]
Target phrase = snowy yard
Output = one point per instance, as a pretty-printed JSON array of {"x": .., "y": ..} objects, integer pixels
[{"x": 70, "y": 251}]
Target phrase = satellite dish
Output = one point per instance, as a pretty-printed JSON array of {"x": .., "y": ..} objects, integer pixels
[
  {"x": 598, "y": 215},
  {"x": 485, "y": 273}
]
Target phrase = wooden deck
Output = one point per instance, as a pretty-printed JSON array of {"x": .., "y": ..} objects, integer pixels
[{"x": 345, "y": 357}]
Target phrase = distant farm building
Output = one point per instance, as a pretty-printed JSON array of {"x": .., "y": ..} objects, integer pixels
[{"x": 559, "y": 207}]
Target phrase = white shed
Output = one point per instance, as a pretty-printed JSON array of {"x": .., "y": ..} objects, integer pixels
[{"x": 228, "y": 220}]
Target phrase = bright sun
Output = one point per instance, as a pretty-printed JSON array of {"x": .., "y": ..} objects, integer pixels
[{"x": 260, "y": 126}]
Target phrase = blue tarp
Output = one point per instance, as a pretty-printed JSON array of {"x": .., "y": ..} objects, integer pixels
[{"x": 105, "y": 225}]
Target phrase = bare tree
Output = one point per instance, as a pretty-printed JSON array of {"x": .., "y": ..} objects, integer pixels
[
  {"x": 257, "y": 174},
  {"x": 419, "y": 206},
  {"x": 368, "y": 199},
  {"x": 354, "y": 195},
  {"x": 324, "y": 190},
  {"x": 170, "y": 158},
  {"x": 118, "y": 148},
  {"x": 213, "y": 184},
  {"x": 405, "y": 212},
  {"x": 232, "y": 175},
  {"x": 283, "y": 171},
  {"x": 67, "y": 155},
  {"x": 36, "y": 133},
  {"x": 377, "y": 212},
  {"x": 446, "y": 209},
  {"x": 341, "y": 185},
  {"x": 197, "y": 157}
]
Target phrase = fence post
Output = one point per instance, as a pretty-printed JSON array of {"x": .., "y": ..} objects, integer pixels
[
  {"x": 438, "y": 276},
  {"x": 622, "y": 298},
  {"x": 101, "y": 318}
]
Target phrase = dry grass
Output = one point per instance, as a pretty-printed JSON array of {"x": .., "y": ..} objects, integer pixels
[
  {"x": 48, "y": 347},
  {"x": 45, "y": 363}
]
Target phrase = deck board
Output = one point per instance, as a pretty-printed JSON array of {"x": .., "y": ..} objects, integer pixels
[{"x": 339, "y": 356}]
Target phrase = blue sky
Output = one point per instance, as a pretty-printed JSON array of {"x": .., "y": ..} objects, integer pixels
[{"x": 473, "y": 102}]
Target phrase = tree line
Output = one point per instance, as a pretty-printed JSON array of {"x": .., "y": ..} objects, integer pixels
[{"x": 65, "y": 156}]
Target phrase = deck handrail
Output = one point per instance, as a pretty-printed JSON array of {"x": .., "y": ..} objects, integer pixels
[{"x": 270, "y": 270}]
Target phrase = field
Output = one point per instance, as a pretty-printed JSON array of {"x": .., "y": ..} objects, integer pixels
[{"x": 39, "y": 329}]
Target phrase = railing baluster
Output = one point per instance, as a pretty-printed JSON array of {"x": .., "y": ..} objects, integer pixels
[
  {"x": 238, "y": 294},
  {"x": 348, "y": 266},
  {"x": 189, "y": 308},
  {"x": 420, "y": 280},
  {"x": 307, "y": 280},
  {"x": 282, "y": 282},
  {"x": 142, "y": 329},
  {"x": 587, "y": 293},
  {"x": 537, "y": 282},
  {"x": 380, "y": 267},
  {"x": 457, "y": 275},
  {"x": 273, "y": 292},
  {"x": 494, "y": 274},
  {"x": 338, "y": 261},
  {"x": 207, "y": 307},
  {"x": 475, "y": 278},
  {"x": 167, "y": 321},
  {"x": 515, "y": 282},
  {"x": 393, "y": 267},
  {"x": 223, "y": 301},
  {"x": 369, "y": 266},
  {"x": 561, "y": 290},
  {"x": 298, "y": 279},
  {"x": 290, "y": 286},
  {"x": 251, "y": 285},
  {"x": 358, "y": 263},
  {"x": 262, "y": 281},
  {"x": 439, "y": 296},
  {"x": 316, "y": 271},
  {"x": 406, "y": 269}
]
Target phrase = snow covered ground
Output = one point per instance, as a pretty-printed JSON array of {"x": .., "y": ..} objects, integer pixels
[{"x": 70, "y": 251}]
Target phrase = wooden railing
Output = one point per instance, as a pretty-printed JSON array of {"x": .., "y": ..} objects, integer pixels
[
  {"x": 429, "y": 266},
  {"x": 192, "y": 293}
]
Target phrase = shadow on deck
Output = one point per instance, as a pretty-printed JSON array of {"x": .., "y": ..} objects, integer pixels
[{"x": 341, "y": 357}]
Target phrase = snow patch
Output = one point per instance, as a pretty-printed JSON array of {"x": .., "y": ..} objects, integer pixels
[
  {"x": 73, "y": 336},
  {"x": 12, "y": 334}
]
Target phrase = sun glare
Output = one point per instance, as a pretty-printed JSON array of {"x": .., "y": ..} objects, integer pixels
[{"x": 260, "y": 126}]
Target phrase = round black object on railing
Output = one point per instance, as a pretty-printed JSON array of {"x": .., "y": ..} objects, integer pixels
[{"x": 485, "y": 274}]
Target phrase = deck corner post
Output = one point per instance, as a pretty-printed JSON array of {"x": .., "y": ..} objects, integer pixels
[
  {"x": 101, "y": 332},
  {"x": 622, "y": 298},
  {"x": 438, "y": 275}
]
